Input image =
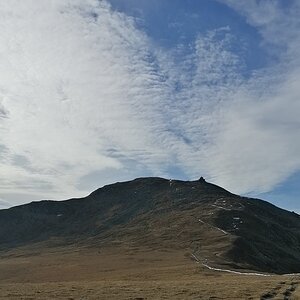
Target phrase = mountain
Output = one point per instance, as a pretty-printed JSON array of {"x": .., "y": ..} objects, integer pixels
[{"x": 196, "y": 218}]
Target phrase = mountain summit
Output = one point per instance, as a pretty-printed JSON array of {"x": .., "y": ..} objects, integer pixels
[{"x": 199, "y": 219}]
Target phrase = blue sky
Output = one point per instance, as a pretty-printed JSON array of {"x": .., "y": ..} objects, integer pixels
[
  {"x": 170, "y": 23},
  {"x": 94, "y": 92}
]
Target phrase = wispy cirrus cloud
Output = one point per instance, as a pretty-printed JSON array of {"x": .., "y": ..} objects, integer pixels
[
  {"x": 86, "y": 93},
  {"x": 87, "y": 98},
  {"x": 257, "y": 139}
]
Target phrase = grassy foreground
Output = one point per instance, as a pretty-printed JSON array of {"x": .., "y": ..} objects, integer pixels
[{"x": 96, "y": 273}]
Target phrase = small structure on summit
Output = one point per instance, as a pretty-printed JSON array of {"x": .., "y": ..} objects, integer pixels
[{"x": 202, "y": 179}]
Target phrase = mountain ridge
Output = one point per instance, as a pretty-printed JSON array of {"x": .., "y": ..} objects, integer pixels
[{"x": 193, "y": 217}]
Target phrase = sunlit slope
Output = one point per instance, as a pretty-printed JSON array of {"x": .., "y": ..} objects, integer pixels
[{"x": 192, "y": 217}]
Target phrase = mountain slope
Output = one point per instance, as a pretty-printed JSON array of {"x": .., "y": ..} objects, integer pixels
[{"x": 196, "y": 217}]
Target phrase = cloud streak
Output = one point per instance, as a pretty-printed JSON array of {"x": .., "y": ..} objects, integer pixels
[
  {"x": 258, "y": 140},
  {"x": 87, "y": 98}
]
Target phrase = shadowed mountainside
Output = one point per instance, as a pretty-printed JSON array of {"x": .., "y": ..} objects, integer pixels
[{"x": 196, "y": 217}]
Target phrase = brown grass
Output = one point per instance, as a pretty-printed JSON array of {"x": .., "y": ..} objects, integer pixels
[{"x": 127, "y": 273}]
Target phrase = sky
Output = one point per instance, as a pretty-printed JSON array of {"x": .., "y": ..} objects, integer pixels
[{"x": 94, "y": 92}]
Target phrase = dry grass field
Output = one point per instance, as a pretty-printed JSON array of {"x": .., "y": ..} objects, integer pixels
[{"x": 128, "y": 273}]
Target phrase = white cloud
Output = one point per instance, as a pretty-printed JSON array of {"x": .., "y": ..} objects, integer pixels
[
  {"x": 257, "y": 143},
  {"x": 4, "y": 204},
  {"x": 86, "y": 96},
  {"x": 65, "y": 79},
  {"x": 277, "y": 21},
  {"x": 77, "y": 83}
]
